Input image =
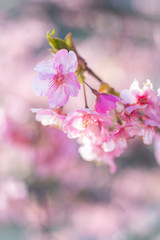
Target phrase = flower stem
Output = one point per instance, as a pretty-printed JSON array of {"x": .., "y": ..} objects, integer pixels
[
  {"x": 83, "y": 65},
  {"x": 85, "y": 97},
  {"x": 86, "y": 68},
  {"x": 84, "y": 82},
  {"x": 93, "y": 74}
]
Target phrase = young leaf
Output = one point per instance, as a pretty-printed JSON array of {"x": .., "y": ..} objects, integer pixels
[
  {"x": 69, "y": 42},
  {"x": 56, "y": 43}
]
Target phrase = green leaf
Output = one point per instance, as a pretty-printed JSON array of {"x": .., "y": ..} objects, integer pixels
[
  {"x": 53, "y": 32},
  {"x": 69, "y": 42},
  {"x": 56, "y": 43}
]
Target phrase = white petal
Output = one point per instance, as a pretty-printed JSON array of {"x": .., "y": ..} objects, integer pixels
[
  {"x": 58, "y": 97},
  {"x": 71, "y": 64},
  {"x": 40, "y": 87},
  {"x": 148, "y": 85},
  {"x": 127, "y": 96},
  {"x": 108, "y": 146},
  {"x": 86, "y": 152},
  {"x": 147, "y": 135},
  {"x": 135, "y": 86},
  {"x": 45, "y": 67}
]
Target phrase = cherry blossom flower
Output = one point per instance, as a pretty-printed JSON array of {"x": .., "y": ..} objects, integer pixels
[
  {"x": 142, "y": 108},
  {"x": 57, "y": 79},
  {"x": 147, "y": 134},
  {"x": 88, "y": 123},
  {"x": 93, "y": 152},
  {"x": 13, "y": 192},
  {"x": 137, "y": 95},
  {"x": 49, "y": 117},
  {"x": 106, "y": 150}
]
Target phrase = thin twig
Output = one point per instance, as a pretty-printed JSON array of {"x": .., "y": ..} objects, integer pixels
[
  {"x": 89, "y": 70},
  {"x": 85, "y": 97},
  {"x": 93, "y": 74},
  {"x": 84, "y": 82}
]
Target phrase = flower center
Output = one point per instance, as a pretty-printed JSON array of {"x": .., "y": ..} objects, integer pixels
[
  {"x": 88, "y": 121},
  {"x": 142, "y": 100},
  {"x": 57, "y": 79}
]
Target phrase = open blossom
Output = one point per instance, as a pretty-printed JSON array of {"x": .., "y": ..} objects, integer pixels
[
  {"x": 49, "y": 117},
  {"x": 147, "y": 134},
  {"x": 105, "y": 102},
  {"x": 108, "y": 149},
  {"x": 13, "y": 192},
  {"x": 144, "y": 99},
  {"x": 93, "y": 152},
  {"x": 137, "y": 95},
  {"x": 142, "y": 108},
  {"x": 119, "y": 139},
  {"x": 88, "y": 123},
  {"x": 57, "y": 79}
]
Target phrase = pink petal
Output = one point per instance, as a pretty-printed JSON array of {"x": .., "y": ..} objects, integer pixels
[
  {"x": 128, "y": 97},
  {"x": 46, "y": 76},
  {"x": 151, "y": 122},
  {"x": 40, "y": 87},
  {"x": 60, "y": 59},
  {"x": 52, "y": 86},
  {"x": 106, "y": 102},
  {"x": 72, "y": 63},
  {"x": 147, "y": 135},
  {"x": 58, "y": 97},
  {"x": 48, "y": 117},
  {"x": 71, "y": 84},
  {"x": 131, "y": 108},
  {"x": 65, "y": 62},
  {"x": 110, "y": 97},
  {"x": 45, "y": 67}
]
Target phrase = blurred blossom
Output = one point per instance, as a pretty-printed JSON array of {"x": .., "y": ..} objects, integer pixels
[
  {"x": 13, "y": 197},
  {"x": 74, "y": 5},
  {"x": 157, "y": 148},
  {"x": 151, "y": 7},
  {"x": 46, "y": 148}
]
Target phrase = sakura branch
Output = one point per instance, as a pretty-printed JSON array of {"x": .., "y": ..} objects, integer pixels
[{"x": 103, "y": 130}]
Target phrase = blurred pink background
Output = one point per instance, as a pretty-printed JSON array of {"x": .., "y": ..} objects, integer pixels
[{"x": 46, "y": 190}]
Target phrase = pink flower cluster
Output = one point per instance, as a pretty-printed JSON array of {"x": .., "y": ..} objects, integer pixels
[{"x": 103, "y": 131}]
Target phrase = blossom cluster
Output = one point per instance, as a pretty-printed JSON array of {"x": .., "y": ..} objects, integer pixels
[{"x": 103, "y": 130}]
